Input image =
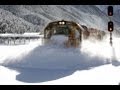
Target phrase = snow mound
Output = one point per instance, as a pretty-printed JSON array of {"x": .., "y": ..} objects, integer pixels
[
  {"x": 50, "y": 57},
  {"x": 36, "y": 55}
]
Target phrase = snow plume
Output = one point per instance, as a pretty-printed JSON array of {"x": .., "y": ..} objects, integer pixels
[
  {"x": 13, "y": 53},
  {"x": 97, "y": 49},
  {"x": 52, "y": 56},
  {"x": 103, "y": 49},
  {"x": 35, "y": 55}
]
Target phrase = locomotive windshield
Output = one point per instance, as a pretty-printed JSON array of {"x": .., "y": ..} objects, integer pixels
[{"x": 61, "y": 30}]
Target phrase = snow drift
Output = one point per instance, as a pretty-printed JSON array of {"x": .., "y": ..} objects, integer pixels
[{"x": 55, "y": 56}]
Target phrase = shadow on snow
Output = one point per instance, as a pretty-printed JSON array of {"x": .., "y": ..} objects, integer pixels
[{"x": 41, "y": 65}]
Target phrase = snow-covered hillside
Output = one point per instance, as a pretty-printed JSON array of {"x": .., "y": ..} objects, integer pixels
[
  {"x": 12, "y": 24},
  {"x": 40, "y": 15}
]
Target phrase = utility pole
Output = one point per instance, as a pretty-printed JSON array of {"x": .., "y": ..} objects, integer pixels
[{"x": 111, "y": 43}]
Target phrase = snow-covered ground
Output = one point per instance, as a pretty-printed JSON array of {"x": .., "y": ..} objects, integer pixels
[
  {"x": 34, "y": 63},
  {"x": 102, "y": 75},
  {"x": 21, "y": 35},
  {"x": 94, "y": 63}
]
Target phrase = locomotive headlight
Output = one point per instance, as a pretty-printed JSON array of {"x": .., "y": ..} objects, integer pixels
[
  {"x": 63, "y": 23},
  {"x": 60, "y": 22}
]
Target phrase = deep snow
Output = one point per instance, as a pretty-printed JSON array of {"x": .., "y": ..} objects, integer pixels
[
  {"x": 96, "y": 62},
  {"x": 93, "y": 63},
  {"x": 102, "y": 75}
]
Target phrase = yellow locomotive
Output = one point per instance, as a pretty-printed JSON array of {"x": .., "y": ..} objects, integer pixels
[{"x": 70, "y": 29}]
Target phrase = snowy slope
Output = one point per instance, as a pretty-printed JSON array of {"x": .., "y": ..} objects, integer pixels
[
  {"x": 15, "y": 24},
  {"x": 41, "y": 15},
  {"x": 116, "y": 12}
]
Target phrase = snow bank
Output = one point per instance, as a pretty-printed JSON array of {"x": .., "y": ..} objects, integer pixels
[{"x": 21, "y": 35}]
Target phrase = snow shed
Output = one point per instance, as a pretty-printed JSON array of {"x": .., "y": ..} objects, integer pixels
[{"x": 67, "y": 28}]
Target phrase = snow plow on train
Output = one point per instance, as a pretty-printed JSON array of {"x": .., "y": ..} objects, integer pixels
[
  {"x": 68, "y": 29},
  {"x": 70, "y": 34}
]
